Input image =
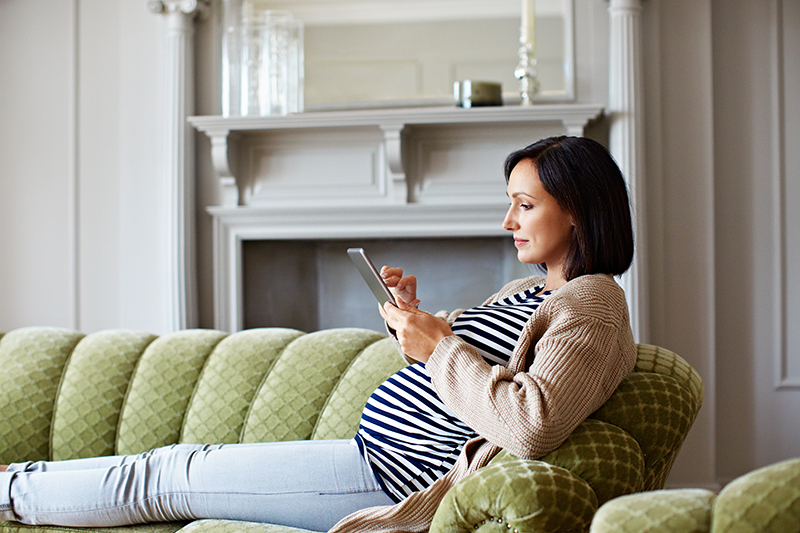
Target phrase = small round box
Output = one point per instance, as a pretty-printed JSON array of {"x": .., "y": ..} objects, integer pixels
[{"x": 470, "y": 93}]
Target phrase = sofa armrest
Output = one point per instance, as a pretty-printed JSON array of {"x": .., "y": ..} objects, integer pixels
[
  {"x": 661, "y": 511},
  {"x": 521, "y": 496}
]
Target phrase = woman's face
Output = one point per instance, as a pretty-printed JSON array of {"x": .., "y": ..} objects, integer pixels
[{"x": 542, "y": 230}]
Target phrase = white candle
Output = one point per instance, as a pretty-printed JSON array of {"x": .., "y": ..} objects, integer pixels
[{"x": 528, "y": 24}]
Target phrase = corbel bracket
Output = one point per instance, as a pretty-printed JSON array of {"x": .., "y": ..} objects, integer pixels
[{"x": 396, "y": 182}]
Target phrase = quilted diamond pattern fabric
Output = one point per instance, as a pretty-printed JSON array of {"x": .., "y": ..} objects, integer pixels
[
  {"x": 604, "y": 456},
  {"x": 290, "y": 399},
  {"x": 231, "y": 526},
  {"x": 162, "y": 384},
  {"x": 764, "y": 501},
  {"x": 229, "y": 382},
  {"x": 659, "y": 360},
  {"x": 657, "y": 411},
  {"x": 164, "y": 527},
  {"x": 86, "y": 417},
  {"x": 32, "y": 360},
  {"x": 663, "y": 511},
  {"x": 342, "y": 413},
  {"x": 520, "y": 496}
]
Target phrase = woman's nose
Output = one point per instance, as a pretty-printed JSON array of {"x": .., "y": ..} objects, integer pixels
[{"x": 509, "y": 224}]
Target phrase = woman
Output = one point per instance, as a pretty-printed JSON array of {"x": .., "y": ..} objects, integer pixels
[{"x": 519, "y": 372}]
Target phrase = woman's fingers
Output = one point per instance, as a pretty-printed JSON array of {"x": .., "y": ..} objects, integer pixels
[
  {"x": 402, "y": 286},
  {"x": 417, "y": 332},
  {"x": 391, "y": 275}
]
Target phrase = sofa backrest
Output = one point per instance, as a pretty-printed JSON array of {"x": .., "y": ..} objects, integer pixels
[
  {"x": 64, "y": 395},
  {"x": 657, "y": 405}
]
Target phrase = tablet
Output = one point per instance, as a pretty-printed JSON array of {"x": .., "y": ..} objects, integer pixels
[{"x": 371, "y": 275}]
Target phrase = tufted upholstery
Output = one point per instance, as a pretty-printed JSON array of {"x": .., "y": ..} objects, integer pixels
[
  {"x": 766, "y": 500},
  {"x": 626, "y": 446},
  {"x": 65, "y": 395}
]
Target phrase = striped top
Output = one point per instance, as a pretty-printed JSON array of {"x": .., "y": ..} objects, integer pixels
[{"x": 407, "y": 434}]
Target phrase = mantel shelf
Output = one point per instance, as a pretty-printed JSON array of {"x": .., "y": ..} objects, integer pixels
[
  {"x": 390, "y": 125},
  {"x": 571, "y": 115}
]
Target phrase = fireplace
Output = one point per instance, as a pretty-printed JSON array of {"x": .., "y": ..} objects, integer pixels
[{"x": 418, "y": 188}]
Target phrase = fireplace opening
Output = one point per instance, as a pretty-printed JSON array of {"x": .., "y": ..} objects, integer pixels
[{"x": 313, "y": 284}]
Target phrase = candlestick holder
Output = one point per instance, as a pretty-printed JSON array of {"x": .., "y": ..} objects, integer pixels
[{"x": 526, "y": 73}]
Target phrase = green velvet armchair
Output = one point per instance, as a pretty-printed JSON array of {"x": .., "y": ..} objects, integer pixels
[{"x": 67, "y": 395}]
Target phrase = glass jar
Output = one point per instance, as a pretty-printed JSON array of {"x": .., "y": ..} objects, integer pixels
[{"x": 271, "y": 64}]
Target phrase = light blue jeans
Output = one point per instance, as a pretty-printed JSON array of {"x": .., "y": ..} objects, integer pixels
[{"x": 306, "y": 484}]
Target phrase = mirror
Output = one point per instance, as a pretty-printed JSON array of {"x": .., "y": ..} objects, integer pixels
[{"x": 368, "y": 53}]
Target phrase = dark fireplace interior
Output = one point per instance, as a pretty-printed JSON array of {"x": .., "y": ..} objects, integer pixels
[{"x": 313, "y": 284}]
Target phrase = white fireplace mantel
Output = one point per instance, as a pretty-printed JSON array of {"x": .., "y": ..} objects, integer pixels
[
  {"x": 393, "y": 173},
  {"x": 393, "y": 125}
]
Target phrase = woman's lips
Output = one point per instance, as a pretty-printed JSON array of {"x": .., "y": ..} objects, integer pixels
[{"x": 519, "y": 242}]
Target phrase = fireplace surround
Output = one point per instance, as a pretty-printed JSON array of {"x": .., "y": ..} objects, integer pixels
[{"x": 420, "y": 188}]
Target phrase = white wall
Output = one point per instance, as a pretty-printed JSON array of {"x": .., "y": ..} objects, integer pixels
[
  {"x": 38, "y": 245},
  {"x": 78, "y": 165},
  {"x": 757, "y": 172},
  {"x": 81, "y": 159}
]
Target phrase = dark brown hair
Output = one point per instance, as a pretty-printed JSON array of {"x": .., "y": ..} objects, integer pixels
[{"x": 588, "y": 185}]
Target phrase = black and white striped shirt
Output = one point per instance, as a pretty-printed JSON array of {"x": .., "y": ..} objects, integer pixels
[{"x": 407, "y": 434}]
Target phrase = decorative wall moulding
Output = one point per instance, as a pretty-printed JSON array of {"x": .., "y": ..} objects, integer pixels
[
  {"x": 626, "y": 142},
  {"x": 785, "y": 135},
  {"x": 178, "y": 166}
]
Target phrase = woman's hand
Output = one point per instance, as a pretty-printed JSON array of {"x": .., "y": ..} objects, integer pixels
[
  {"x": 404, "y": 288},
  {"x": 418, "y": 332}
]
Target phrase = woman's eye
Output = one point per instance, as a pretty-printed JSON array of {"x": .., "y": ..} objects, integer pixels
[{"x": 525, "y": 206}]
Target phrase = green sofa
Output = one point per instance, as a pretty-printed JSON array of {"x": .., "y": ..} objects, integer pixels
[
  {"x": 766, "y": 500},
  {"x": 67, "y": 395}
]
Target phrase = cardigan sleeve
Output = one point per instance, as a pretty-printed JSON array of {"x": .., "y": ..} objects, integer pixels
[{"x": 583, "y": 349}]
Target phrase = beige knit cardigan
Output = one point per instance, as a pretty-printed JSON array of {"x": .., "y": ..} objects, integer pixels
[{"x": 583, "y": 347}]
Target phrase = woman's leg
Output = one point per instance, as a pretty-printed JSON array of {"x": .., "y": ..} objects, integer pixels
[
  {"x": 308, "y": 484},
  {"x": 106, "y": 461}
]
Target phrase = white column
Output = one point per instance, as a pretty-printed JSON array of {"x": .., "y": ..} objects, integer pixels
[
  {"x": 626, "y": 141},
  {"x": 179, "y": 226}
]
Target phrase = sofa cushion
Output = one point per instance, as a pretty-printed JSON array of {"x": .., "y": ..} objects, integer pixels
[
  {"x": 235, "y": 526},
  {"x": 341, "y": 414},
  {"x": 662, "y": 511},
  {"x": 766, "y": 500},
  {"x": 289, "y": 402},
  {"x": 86, "y": 417},
  {"x": 159, "y": 393},
  {"x": 229, "y": 382},
  {"x": 604, "y": 456},
  {"x": 30, "y": 384}
]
